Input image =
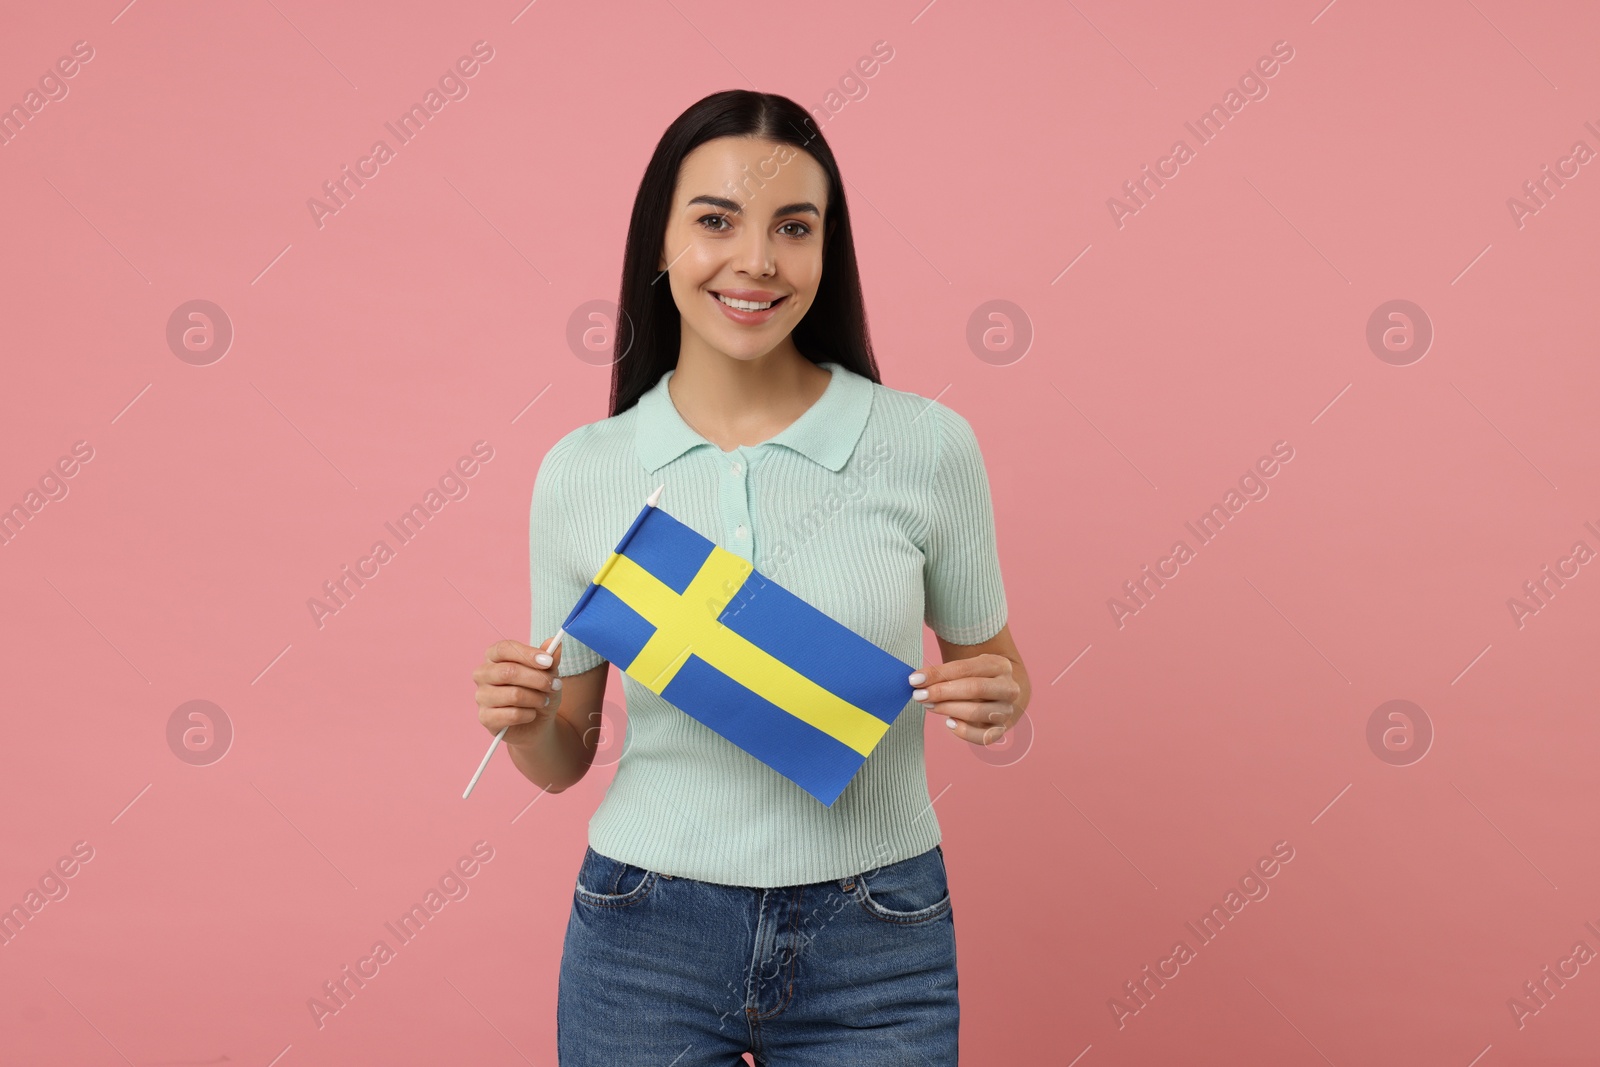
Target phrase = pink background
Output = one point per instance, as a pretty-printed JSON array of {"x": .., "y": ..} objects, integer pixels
[{"x": 1161, "y": 759}]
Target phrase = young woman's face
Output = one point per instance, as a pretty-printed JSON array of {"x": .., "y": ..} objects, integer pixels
[{"x": 746, "y": 224}]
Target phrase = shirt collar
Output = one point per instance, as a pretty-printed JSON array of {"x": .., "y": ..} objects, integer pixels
[{"x": 826, "y": 433}]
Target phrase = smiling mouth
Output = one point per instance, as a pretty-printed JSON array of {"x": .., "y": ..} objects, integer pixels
[{"x": 749, "y": 305}]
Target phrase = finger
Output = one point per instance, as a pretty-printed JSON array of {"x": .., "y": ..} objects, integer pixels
[
  {"x": 497, "y": 717},
  {"x": 513, "y": 651},
  {"x": 977, "y": 735},
  {"x": 981, "y": 714},
  {"x": 546, "y": 657},
  {"x": 528, "y": 655},
  {"x": 510, "y": 672},
  {"x": 501, "y": 705},
  {"x": 986, "y": 665},
  {"x": 971, "y": 688},
  {"x": 516, "y": 696}
]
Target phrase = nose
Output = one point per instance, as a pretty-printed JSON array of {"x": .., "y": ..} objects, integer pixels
[{"x": 754, "y": 256}]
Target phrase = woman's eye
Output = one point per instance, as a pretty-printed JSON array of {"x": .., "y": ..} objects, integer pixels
[{"x": 720, "y": 224}]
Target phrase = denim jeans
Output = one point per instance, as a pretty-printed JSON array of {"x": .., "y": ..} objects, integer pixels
[{"x": 672, "y": 972}]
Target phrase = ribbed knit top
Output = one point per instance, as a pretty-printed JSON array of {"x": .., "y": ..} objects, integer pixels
[{"x": 874, "y": 507}]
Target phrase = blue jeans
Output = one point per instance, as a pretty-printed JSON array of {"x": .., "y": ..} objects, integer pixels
[{"x": 665, "y": 970}]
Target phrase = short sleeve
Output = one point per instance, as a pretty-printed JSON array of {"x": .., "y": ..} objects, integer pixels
[
  {"x": 556, "y": 563},
  {"x": 964, "y": 597}
]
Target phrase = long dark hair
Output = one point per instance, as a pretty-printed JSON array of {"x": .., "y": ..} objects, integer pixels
[{"x": 834, "y": 328}]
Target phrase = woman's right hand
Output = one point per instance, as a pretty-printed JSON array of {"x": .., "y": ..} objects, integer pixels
[{"x": 515, "y": 688}]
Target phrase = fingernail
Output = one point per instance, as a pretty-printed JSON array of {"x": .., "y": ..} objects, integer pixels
[
  {"x": 950, "y": 723},
  {"x": 918, "y": 678},
  {"x": 543, "y": 659},
  {"x": 555, "y": 683},
  {"x": 919, "y": 694}
]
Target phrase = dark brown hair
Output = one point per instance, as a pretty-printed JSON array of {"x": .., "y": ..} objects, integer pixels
[{"x": 647, "y": 334}]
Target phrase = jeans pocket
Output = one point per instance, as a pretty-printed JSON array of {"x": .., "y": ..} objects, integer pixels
[
  {"x": 604, "y": 882},
  {"x": 914, "y": 890}
]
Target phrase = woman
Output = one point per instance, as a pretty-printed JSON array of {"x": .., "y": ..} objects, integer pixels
[{"x": 719, "y": 907}]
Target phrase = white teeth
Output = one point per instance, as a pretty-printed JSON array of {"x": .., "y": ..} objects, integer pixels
[{"x": 744, "y": 305}]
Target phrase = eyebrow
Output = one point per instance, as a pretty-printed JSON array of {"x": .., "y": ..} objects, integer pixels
[{"x": 733, "y": 208}]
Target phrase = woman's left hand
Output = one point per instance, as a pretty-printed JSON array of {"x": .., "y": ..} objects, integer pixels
[{"x": 978, "y": 696}]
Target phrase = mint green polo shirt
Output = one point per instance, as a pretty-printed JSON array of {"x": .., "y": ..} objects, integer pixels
[{"x": 874, "y": 507}]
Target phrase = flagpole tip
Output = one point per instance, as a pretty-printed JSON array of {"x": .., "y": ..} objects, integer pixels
[{"x": 655, "y": 496}]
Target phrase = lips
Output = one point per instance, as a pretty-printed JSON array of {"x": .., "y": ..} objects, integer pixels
[
  {"x": 750, "y": 296},
  {"x": 750, "y": 318}
]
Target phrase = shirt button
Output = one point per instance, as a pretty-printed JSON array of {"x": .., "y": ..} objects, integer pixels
[
  {"x": 738, "y": 468},
  {"x": 739, "y": 533}
]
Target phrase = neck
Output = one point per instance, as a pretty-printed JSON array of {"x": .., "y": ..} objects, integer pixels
[{"x": 732, "y": 402}]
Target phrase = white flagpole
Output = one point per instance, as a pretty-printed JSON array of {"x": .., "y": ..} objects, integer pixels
[
  {"x": 497, "y": 737},
  {"x": 555, "y": 644}
]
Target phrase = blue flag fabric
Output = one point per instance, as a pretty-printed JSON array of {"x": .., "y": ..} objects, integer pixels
[{"x": 789, "y": 684}]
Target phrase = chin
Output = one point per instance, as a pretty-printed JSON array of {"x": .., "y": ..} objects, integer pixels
[
  {"x": 749, "y": 355},
  {"x": 744, "y": 349}
]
